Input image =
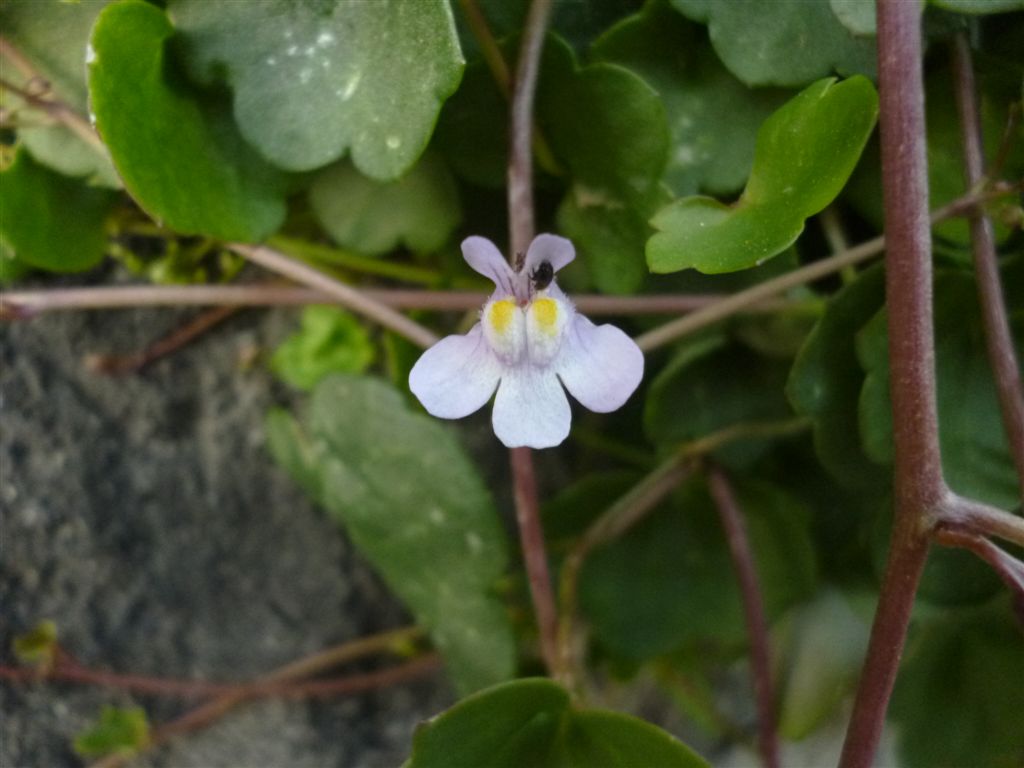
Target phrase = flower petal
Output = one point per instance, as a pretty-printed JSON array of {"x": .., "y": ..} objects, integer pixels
[
  {"x": 599, "y": 365},
  {"x": 550, "y": 248},
  {"x": 531, "y": 408},
  {"x": 456, "y": 376},
  {"x": 484, "y": 257}
]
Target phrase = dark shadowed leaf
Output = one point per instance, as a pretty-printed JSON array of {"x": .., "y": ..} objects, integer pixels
[
  {"x": 824, "y": 383},
  {"x": 533, "y": 722},
  {"x": 709, "y": 386},
  {"x": 51, "y": 221},
  {"x": 975, "y": 454},
  {"x": 966, "y": 670},
  {"x": 669, "y": 583}
]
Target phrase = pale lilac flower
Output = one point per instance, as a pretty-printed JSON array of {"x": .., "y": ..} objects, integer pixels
[{"x": 529, "y": 338}]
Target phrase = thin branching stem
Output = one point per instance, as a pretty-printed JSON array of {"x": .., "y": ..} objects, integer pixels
[
  {"x": 727, "y": 307},
  {"x": 346, "y": 295},
  {"x": 918, "y": 483},
  {"x": 634, "y": 506},
  {"x": 998, "y": 338},
  {"x": 55, "y": 108},
  {"x": 753, "y": 612},
  {"x": 1006, "y": 566},
  {"x": 210, "y": 712},
  {"x": 28, "y": 303},
  {"x": 981, "y": 519}
]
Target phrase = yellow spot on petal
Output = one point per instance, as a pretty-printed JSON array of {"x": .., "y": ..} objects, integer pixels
[
  {"x": 501, "y": 315},
  {"x": 546, "y": 313}
]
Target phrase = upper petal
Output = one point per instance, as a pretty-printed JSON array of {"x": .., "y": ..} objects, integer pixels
[
  {"x": 484, "y": 257},
  {"x": 531, "y": 408},
  {"x": 550, "y": 248},
  {"x": 456, "y": 376},
  {"x": 599, "y": 365}
]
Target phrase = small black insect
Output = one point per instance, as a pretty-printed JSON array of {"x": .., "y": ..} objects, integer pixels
[{"x": 542, "y": 275}]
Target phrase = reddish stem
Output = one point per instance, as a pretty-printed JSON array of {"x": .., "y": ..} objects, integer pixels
[
  {"x": 918, "y": 484},
  {"x": 20, "y": 305},
  {"x": 753, "y": 613},
  {"x": 1006, "y": 566},
  {"x": 535, "y": 558},
  {"x": 180, "y": 337},
  {"x": 520, "y": 213},
  {"x": 998, "y": 339}
]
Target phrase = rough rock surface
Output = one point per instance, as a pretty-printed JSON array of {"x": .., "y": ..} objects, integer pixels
[{"x": 143, "y": 514}]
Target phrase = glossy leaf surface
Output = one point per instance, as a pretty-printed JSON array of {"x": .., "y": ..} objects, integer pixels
[
  {"x": 314, "y": 79},
  {"x": 805, "y": 153},
  {"x": 533, "y": 722}
]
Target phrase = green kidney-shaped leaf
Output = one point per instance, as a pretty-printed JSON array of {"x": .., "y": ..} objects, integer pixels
[
  {"x": 713, "y": 117},
  {"x": 764, "y": 42},
  {"x": 533, "y": 722},
  {"x": 179, "y": 156},
  {"x": 609, "y": 236},
  {"x": 472, "y": 130},
  {"x": 414, "y": 504},
  {"x": 702, "y": 233},
  {"x": 805, "y": 153},
  {"x": 825, "y": 381},
  {"x": 51, "y": 221},
  {"x": 313, "y": 79},
  {"x": 607, "y": 124},
  {"x": 419, "y": 210},
  {"x": 808, "y": 148},
  {"x": 678, "y": 561}
]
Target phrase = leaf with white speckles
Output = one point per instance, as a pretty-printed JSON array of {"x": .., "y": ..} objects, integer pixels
[
  {"x": 176, "y": 149},
  {"x": 314, "y": 78},
  {"x": 415, "y": 506}
]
